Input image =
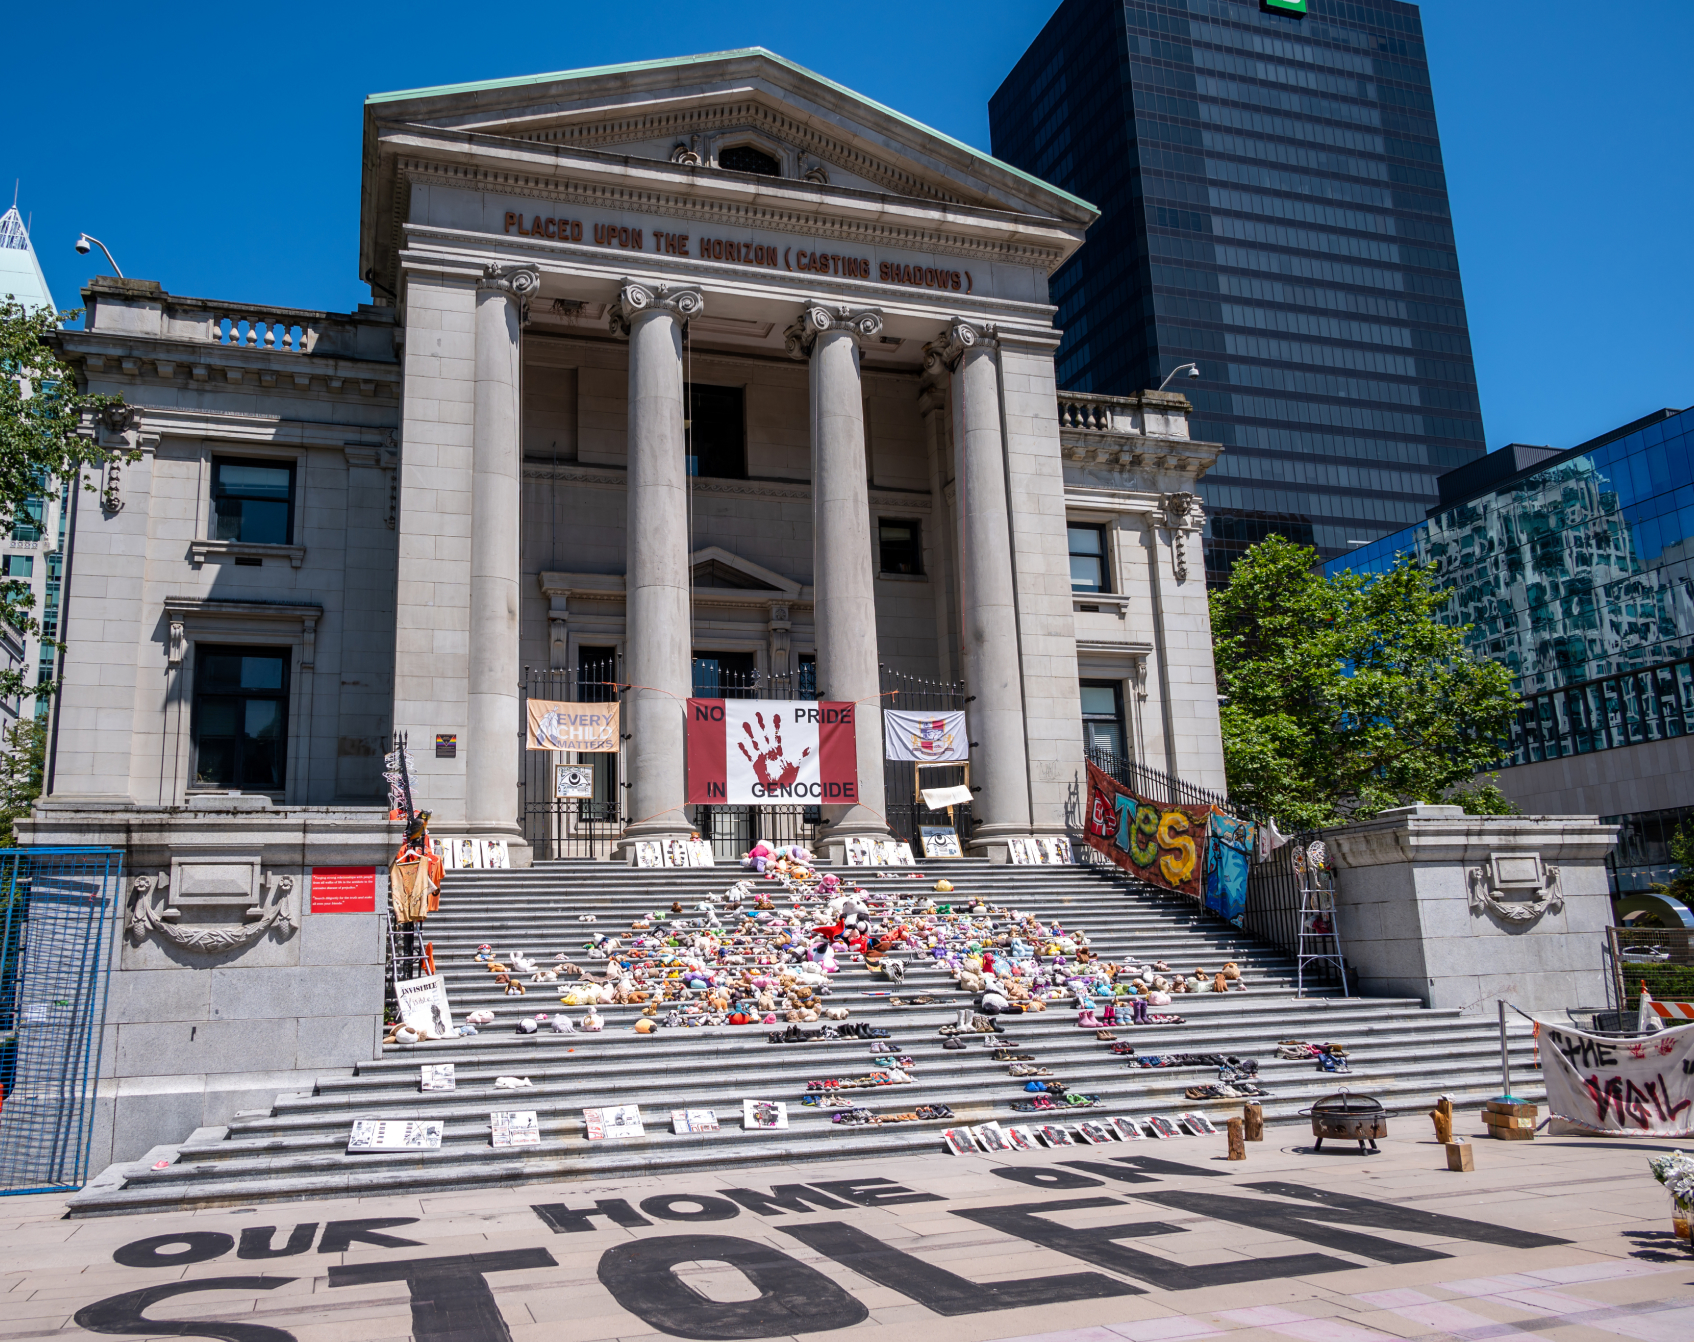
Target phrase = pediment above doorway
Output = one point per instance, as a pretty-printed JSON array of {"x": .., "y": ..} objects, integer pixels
[{"x": 715, "y": 566}]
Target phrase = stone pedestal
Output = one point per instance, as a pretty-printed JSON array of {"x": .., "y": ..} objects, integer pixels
[
  {"x": 201, "y": 1026},
  {"x": 987, "y": 595},
  {"x": 1461, "y": 910},
  {"x": 843, "y": 564},
  {"x": 658, "y": 652}
]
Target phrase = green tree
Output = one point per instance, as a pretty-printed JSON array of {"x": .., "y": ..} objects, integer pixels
[
  {"x": 1345, "y": 696},
  {"x": 1681, "y": 885},
  {"x": 23, "y": 768},
  {"x": 45, "y": 437}
]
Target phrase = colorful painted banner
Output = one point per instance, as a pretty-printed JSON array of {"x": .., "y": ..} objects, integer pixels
[
  {"x": 1161, "y": 843},
  {"x": 554, "y": 725},
  {"x": 1229, "y": 852},
  {"x": 755, "y": 752},
  {"x": 1641, "y": 1087}
]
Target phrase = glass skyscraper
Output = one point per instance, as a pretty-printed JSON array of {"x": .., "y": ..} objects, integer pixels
[{"x": 1275, "y": 211}]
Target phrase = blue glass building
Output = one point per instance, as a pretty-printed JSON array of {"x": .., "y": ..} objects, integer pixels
[
  {"x": 1273, "y": 209},
  {"x": 1576, "y": 570}
]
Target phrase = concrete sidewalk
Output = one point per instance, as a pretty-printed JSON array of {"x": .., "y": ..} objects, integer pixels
[{"x": 1147, "y": 1241}]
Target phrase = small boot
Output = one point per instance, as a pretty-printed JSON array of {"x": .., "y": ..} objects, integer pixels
[
  {"x": 1086, "y": 1020},
  {"x": 1109, "y": 1013},
  {"x": 1138, "y": 1011}
]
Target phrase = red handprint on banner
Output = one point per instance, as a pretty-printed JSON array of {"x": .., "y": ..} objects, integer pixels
[{"x": 772, "y": 767}]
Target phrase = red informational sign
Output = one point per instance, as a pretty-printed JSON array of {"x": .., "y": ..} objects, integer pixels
[{"x": 343, "y": 889}]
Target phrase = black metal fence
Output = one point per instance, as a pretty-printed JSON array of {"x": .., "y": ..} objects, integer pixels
[
  {"x": 1661, "y": 958},
  {"x": 55, "y": 960},
  {"x": 1156, "y": 785},
  {"x": 904, "y": 781},
  {"x": 557, "y": 823}
]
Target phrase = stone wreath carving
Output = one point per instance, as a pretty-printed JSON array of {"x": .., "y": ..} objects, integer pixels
[
  {"x": 1485, "y": 896},
  {"x": 144, "y": 919}
]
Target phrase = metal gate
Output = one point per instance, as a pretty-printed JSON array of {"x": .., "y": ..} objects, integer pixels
[
  {"x": 55, "y": 961},
  {"x": 901, "y": 780},
  {"x": 558, "y": 826}
]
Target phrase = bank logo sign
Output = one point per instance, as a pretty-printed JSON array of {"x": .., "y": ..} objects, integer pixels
[{"x": 1286, "y": 6}]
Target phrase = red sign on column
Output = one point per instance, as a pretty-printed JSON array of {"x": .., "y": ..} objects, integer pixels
[{"x": 343, "y": 889}]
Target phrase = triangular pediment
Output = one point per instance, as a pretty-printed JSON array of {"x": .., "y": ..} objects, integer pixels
[
  {"x": 715, "y": 566},
  {"x": 691, "y": 110}
]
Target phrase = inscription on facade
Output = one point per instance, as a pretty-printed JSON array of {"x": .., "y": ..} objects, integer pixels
[{"x": 790, "y": 258}]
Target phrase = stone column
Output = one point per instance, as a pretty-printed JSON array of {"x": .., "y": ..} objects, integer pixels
[
  {"x": 491, "y": 717},
  {"x": 843, "y": 567},
  {"x": 988, "y": 619},
  {"x": 658, "y": 628}
]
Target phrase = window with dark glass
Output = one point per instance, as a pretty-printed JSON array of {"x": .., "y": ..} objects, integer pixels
[
  {"x": 253, "y": 501},
  {"x": 808, "y": 675},
  {"x": 27, "y": 520},
  {"x": 745, "y": 158},
  {"x": 901, "y": 545},
  {"x": 596, "y": 680},
  {"x": 1102, "y": 719},
  {"x": 724, "y": 675},
  {"x": 1088, "y": 559},
  {"x": 19, "y": 566},
  {"x": 717, "y": 433},
  {"x": 240, "y": 718}
]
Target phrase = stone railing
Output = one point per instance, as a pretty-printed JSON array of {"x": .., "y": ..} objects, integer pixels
[
  {"x": 1154, "y": 414},
  {"x": 141, "y": 307}
]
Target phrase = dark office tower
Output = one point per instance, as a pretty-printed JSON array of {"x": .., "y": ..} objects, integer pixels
[{"x": 1274, "y": 210}]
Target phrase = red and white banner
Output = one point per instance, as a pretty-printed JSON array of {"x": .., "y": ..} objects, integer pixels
[{"x": 762, "y": 752}]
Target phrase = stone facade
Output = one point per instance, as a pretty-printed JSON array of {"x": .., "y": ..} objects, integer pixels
[
  {"x": 490, "y": 463},
  {"x": 1463, "y": 910}
]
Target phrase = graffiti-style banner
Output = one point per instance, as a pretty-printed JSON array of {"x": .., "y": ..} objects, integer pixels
[
  {"x": 1160, "y": 843},
  {"x": 1634, "y": 1087}
]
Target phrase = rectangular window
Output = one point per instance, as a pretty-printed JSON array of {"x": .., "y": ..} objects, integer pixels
[
  {"x": 1088, "y": 559},
  {"x": 596, "y": 683},
  {"x": 27, "y": 521},
  {"x": 724, "y": 675},
  {"x": 808, "y": 676},
  {"x": 717, "y": 431},
  {"x": 240, "y": 730},
  {"x": 1102, "y": 721},
  {"x": 19, "y": 566},
  {"x": 253, "y": 501},
  {"x": 901, "y": 545}
]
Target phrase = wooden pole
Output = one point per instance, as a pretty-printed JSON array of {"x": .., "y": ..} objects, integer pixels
[
  {"x": 1237, "y": 1140},
  {"x": 1255, "y": 1121}
]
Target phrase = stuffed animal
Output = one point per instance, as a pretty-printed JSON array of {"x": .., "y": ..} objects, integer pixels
[
  {"x": 592, "y": 1022},
  {"x": 480, "y": 1018},
  {"x": 944, "y": 886},
  {"x": 1220, "y": 984},
  {"x": 523, "y": 963}
]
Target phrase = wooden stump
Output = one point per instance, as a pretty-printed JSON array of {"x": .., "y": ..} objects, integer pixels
[
  {"x": 1237, "y": 1140},
  {"x": 1459, "y": 1157},
  {"x": 1255, "y": 1117},
  {"x": 1443, "y": 1126}
]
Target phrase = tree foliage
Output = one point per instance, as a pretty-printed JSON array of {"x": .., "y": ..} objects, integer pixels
[
  {"x": 23, "y": 768},
  {"x": 1345, "y": 696},
  {"x": 44, "y": 440}
]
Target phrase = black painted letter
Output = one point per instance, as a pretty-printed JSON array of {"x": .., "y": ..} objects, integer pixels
[
  {"x": 256, "y": 1241},
  {"x": 124, "y": 1313},
  {"x": 451, "y": 1301},
  {"x": 793, "y": 1297},
  {"x": 338, "y": 1235},
  {"x": 201, "y": 1245},
  {"x": 560, "y": 1218}
]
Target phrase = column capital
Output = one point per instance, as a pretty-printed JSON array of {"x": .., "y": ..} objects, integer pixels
[
  {"x": 960, "y": 336},
  {"x": 635, "y": 297},
  {"x": 519, "y": 281},
  {"x": 817, "y": 318}
]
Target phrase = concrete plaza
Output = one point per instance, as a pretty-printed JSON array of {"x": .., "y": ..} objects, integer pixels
[{"x": 1151, "y": 1241}]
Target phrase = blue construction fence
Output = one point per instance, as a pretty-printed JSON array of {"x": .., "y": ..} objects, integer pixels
[{"x": 57, "y": 926}]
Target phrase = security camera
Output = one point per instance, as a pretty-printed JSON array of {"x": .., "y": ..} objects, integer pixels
[
  {"x": 83, "y": 245},
  {"x": 1193, "y": 370}
]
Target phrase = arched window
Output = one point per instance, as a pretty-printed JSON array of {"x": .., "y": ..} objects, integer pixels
[{"x": 745, "y": 158}]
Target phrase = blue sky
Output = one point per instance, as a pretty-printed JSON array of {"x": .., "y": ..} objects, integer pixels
[{"x": 216, "y": 149}]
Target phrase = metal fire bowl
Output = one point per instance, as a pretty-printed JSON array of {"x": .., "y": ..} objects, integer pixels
[{"x": 1350, "y": 1127}]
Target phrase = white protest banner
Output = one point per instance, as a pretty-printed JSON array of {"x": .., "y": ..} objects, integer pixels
[
  {"x": 930, "y": 737},
  {"x": 1640, "y": 1087}
]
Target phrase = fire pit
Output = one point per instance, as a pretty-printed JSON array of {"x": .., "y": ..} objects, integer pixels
[{"x": 1348, "y": 1118}]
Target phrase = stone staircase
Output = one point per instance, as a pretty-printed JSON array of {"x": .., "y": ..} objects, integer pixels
[{"x": 1401, "y": 1054}]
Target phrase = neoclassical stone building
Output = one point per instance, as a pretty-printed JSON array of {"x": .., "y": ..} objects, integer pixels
[{"x": 699, "y": 360}]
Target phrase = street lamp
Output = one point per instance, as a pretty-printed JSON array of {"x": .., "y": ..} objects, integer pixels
[
  {"x": 1192, "y": 368},
  {"x": 86, "y": 244}
]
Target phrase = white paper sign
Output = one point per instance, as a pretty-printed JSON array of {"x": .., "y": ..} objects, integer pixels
[
  {"x": 573, "y": 780},
  {"x": 940, "y": 798},
  {"x": 438, "y": 1076},
  {"x": 694, "y": 1120},
  {"x": 763, "y": 1114},
  {"x": 515, "y": 1127},
  {"x": 1636, "y": 1086},
  {"x": 377, "y": 1134},
  {"x": 423, "y": 1005},
  {"x": 612, "y": 1122}
]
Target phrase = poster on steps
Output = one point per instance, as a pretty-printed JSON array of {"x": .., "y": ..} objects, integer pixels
[
  {"x": 381, "y": 1134},
  {"x": 612, "y": 1122},
  {"x": 514, "y": 1127},
  {"x": 763, "y": 1114},
  {"x": 423, "y": 1005},
  {"x": 437, "y": 1076}
]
